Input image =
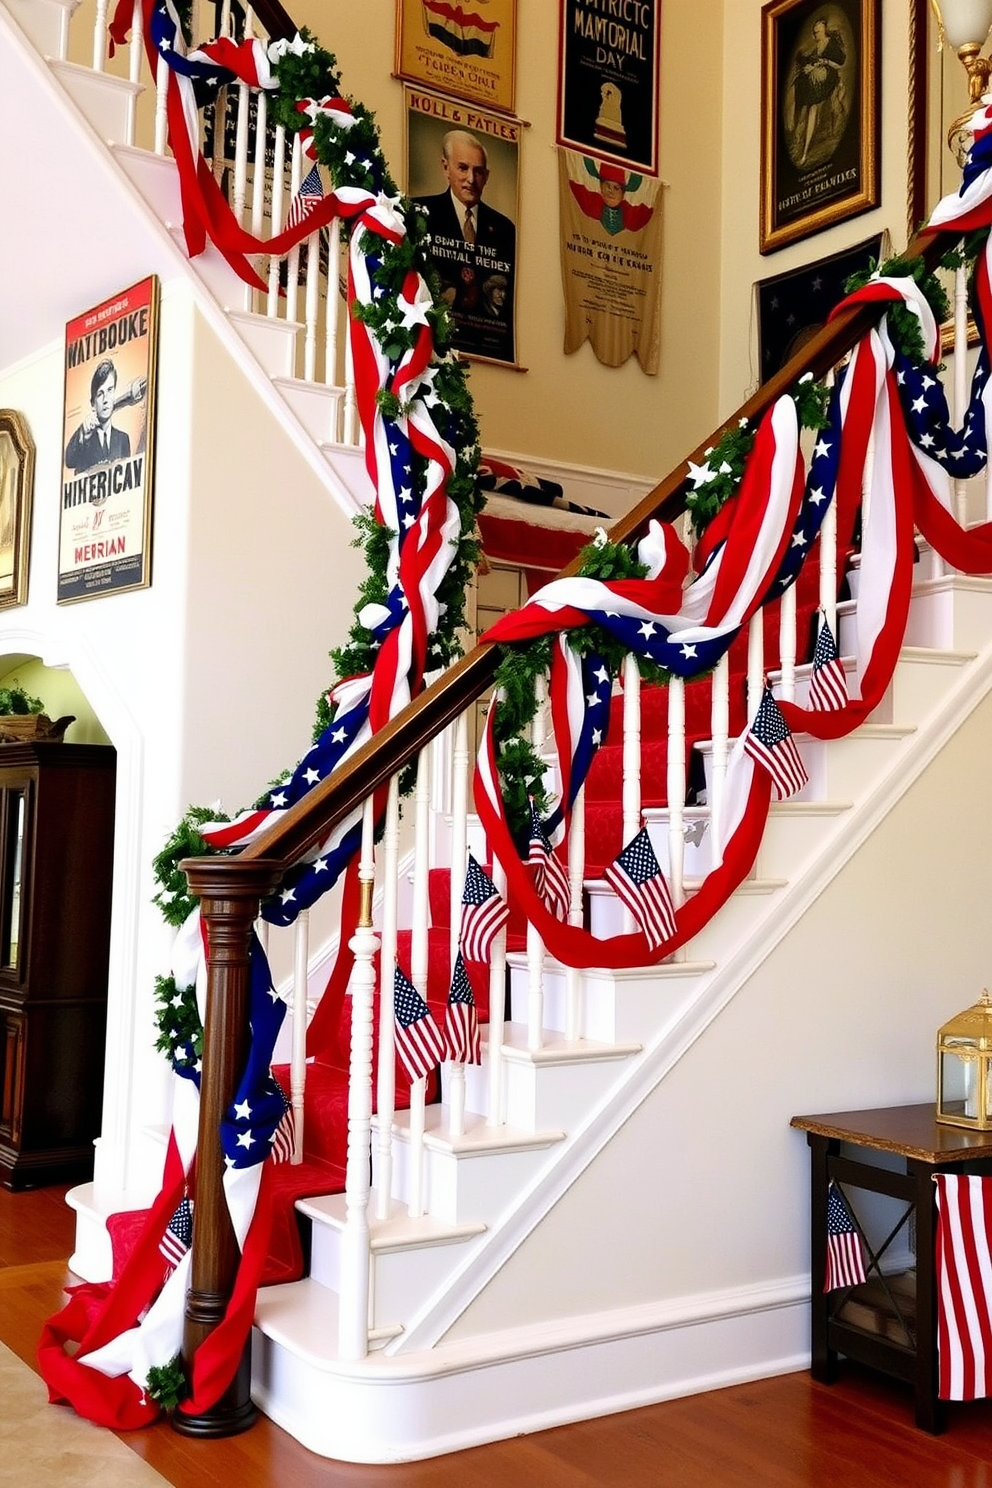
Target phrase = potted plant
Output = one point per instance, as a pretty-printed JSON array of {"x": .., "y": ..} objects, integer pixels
[{"x": 23, "y": 717}]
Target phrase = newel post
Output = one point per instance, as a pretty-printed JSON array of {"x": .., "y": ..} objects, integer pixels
[{"x": 229, "y": 890}]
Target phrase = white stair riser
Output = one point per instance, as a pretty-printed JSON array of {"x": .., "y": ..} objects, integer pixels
[
  {"x": 542, "y": 1096},
  {"x": 841, "y": 769},
  {"x": 791, "y": 839},
  {"x": 272, "y": 341},
  {"x": 463, "y": 1188},
  {"x": 108, "y": 102},
  {"x": 952, "y": 614},
  {"x": 318, "y": 408},
  {"x": 401, "y": 1279},
  {"x": 157, "y": 179},
  {"x": 46, "y": 22},
  {"x": 916, "y": 688}
]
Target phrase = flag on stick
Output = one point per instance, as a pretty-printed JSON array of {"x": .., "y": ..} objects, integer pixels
[
  {"x": 419, "y": 1042},
  {"x": 845, "y": 1263},
  {"x": 550, "y": 878},
  {"x": 964, "y": 1286},
  {"x": 770, "y": 744},
  {"x": 309, "y": 195},
  {"x": 462, "y": 1020},
  {"x": 828, "y": 684},
  {"x": 636, "y": 877},
  {"x": 283, "y": 1139},
  {"x": 484, "y": 913},
  {"x": 178, "y": 1236}
]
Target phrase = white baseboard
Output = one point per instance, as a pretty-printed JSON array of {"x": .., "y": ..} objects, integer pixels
[{"x": 413, "y": 1406}]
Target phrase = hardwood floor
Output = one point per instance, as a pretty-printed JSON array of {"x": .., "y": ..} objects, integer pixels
[{"x": 782, "y": 1433}]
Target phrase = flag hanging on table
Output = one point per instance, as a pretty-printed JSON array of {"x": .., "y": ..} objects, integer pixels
[
  {"x": 484, "y": 913},
  {"x": 309, "y": 195},
  {"x": 419, "y": 1042},
  {"x": 550, "y": 878},
  {"x": 828, "y": 684},
  {"x": 461, "y": 1026},
  {"x": 770, "y": 744},
  {"x": 964, "y": 1286},
  {"x": 636, "y": 877},
  {"x": 845, "y": 1263}
]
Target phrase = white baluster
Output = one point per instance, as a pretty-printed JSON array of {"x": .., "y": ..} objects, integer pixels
[
  {"x": 386, "y": 1078},
  {"x": 161, "y": 97},
  {"x": 293, "y": 261},
  {"x": 419, "y": 949},
  {"x": 787, "y": 643},
  {"x": 631, "y": 763},
  {"x": 278, "y": 192},
  {"x": 755, "y": 664},
  {"x": 312, "y": 308},
  {"x": 135, "y": 49},
  {"x": 332, "y": 310},
  {"x": 960, "y": 377},
  {"x": 459, "y": 851},
  {"x": 355, "y": 1253},
  {"x": 100, "y": 36},
  {"x": 828, "y": 556},
  {"x": 298, "y": 1063},
  {"x": 574, "y": 982},
  {"x": 258, "y": 164},
  {"x": 351, "y": 429},
  {"x": 535, "y": 945},
  {"x": 719, "y": 729},
  {"x": 676, "y": 790},
  {"x": 497, "y": 1019}
]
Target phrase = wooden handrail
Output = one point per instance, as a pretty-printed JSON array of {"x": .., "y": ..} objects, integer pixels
[
  {"x": 276, "y": 21},
  {"x": 304, "y": 825}
]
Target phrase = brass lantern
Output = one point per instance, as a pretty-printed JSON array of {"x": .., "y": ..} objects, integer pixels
[{"x": 964, "y": 1076}]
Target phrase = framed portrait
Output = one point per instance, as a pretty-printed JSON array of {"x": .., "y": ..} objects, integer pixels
[
  {"x": 466, "y": 51},
  {"x": 608, "y": 68},
  {"x": 108, "y": 436},
  {"x": 820, "y": 66},
  {"x": 16, "y": 491},
  {"x": 793, "y": 306},
  {"x": 463, "y": 170}
]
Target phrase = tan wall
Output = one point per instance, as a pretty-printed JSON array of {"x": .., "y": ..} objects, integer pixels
[{"x": 573, "y": 408}]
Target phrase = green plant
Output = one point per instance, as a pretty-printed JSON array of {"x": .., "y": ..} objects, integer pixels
[{"x": 14, "y": 699}]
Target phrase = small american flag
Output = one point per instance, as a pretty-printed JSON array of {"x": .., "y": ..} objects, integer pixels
[
  {"x": 636, "y": 877},
  {"x": 284, "y": 1137},
  {"x": 179, "y": 1236},
  {"x": 770, "y": 744},
  {"x": 845, "y": 1263},
  {"x": 550, "y": 878},
  {"x": 461, "y": 1024},
  {"x": 828, "y": 684},
  {"x": 419, "y": 1041},
  {"x": 310, "y": 195},
  {"x": 484, "y": 913},
  {"x": 963, "y": 1266}
]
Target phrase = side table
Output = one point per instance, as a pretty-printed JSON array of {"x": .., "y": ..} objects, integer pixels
[{"x": 908, "y": 1349}]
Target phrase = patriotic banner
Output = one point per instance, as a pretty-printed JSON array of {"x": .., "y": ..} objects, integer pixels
[
  {"x": 464, "y": 50},
  {"x": 964, "y": 1286}
]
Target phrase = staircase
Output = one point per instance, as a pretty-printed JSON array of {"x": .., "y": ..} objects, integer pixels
[{"x": 570, "y": 1244}]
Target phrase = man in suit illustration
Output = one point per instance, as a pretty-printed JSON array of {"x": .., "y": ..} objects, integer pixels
[{"x": 96, "y": 441}]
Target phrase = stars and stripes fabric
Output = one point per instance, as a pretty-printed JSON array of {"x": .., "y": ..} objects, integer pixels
[
  {"x": 550, "y": 877},
  {"x": 827, "y": 683},
  {"x": 461, "y": 1019},
  {"x": 419, "y": 1042},
  {"x": 963, "y": 1262},
  {"x": 770, "y": 744},
  {"x": 306, "y": 199},
  {"x": 178, "y": 1236},
  {"x": 462, "y": 30},
  {"x": 636, "y": 877},
  {"x": 283, "y": 1139},
  {"x": 845, "y": 1261},
  {"x": 484, "y": 913}
]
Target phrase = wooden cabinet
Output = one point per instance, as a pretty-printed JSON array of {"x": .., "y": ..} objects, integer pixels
[{"x": 56, "y": 864}]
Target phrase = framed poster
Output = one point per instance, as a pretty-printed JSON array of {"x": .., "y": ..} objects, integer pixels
[
  {"x": 467, "y": 51},
  {"x": 105, "y": 527},
  {"x": 463, "y": 169},
  {"x": 16, "y": 490},
  {"x": 820, "y": 116},
  {"x": 608, "y": 61},
  {"x": 793, "y": 306}
]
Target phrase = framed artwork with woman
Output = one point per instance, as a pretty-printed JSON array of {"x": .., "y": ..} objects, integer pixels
[{"x": 820, "y": 99}]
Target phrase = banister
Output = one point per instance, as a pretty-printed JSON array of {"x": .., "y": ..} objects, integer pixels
[
  {"x": 276, "y": 21},
  {"x": 302, "y": 826}
]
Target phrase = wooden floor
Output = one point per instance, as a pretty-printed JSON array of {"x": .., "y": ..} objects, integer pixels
[{"x": 781, "y": 1433}]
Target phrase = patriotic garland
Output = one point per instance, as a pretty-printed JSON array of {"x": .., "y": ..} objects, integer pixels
[{"x": 421, "y": 455}]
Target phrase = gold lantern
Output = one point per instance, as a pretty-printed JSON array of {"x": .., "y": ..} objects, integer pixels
[{"x": 964, "y": 1076}]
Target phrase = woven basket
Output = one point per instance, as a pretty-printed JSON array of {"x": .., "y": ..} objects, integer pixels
[{"x": 25, "y": 728}]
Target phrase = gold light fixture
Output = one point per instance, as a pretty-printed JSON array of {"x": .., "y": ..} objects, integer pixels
[
  {"x": 964, "y": 25},
  {"x": 964, "y": 1068}
]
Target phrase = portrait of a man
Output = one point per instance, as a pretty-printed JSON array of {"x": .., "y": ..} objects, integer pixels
[{"x": 96, "y": 441}]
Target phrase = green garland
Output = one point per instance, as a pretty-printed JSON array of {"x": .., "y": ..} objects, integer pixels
[
  {"x": 167, "y": 1384},
  {"x": 903, "y": 325}
]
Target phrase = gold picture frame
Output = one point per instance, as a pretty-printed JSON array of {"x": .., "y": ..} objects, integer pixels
[
  {"x": 16, "y": 493},
  {"x": 465, "y": 52},
  {"x": 820, "y": 69}
]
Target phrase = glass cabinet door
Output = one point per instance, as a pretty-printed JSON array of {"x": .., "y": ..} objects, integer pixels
[{"x": 14, "y": 828}]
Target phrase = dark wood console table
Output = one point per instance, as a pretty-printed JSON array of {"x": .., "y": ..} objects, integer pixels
[{"x": 904, "y": 1343}]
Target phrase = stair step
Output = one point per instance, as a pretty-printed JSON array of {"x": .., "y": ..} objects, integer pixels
[
  {"x": 272, "y": 341},
  {"x": 107, "y": 101},
  {"x": 302, "y": 1317},
  {"x": 46, "y": 22},
  {"x": 316, "y": 404},
  {"x": 617, "y": 1007}
]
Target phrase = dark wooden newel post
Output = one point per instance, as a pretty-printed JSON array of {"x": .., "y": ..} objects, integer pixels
[{"x": 229, "y": 891}]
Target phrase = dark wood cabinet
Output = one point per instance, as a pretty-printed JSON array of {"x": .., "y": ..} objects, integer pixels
[{"x": 56, "y": 867}]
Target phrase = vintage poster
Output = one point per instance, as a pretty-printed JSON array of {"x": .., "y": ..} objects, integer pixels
[
  {"x": 108, "y": 446},
  {"x": 608, "y": 60},
  {"x": 467, "y": 51},
  {"x": 462, "y": 168},
  {"x": 610, "y": 260}
]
